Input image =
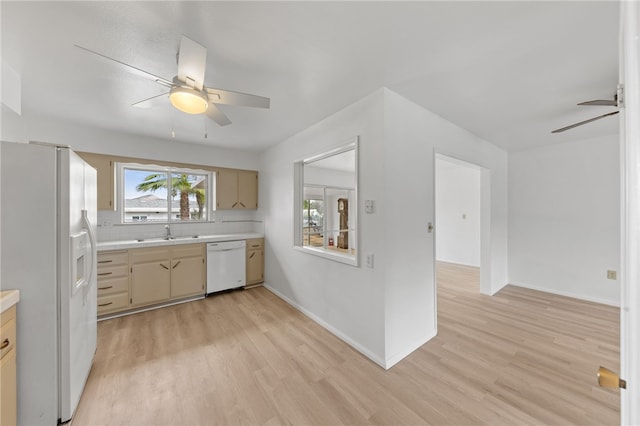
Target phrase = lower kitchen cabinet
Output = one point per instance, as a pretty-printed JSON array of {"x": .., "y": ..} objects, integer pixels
[
  {"x": 255, "y": 262},
  {"x": 150, "y": 275},
  {"x": 8, "y": 382},
  {"x": 188, "y": 273},
  {"x": 113, "y": 281},
  {"x": 161, "y": 274}
]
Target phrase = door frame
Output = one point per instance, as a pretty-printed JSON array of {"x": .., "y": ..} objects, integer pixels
[
  {"x": 629, "y": 52},
  {"x": 485, "y": 227}
]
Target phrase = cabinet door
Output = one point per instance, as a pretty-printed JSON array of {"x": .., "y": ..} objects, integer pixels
[
  {"x": 226, "y": 189},
  {"x": 187, "y": 277},
  {"x": 247, "y": 189},
  {"x": 106, "y": 178},
  {"x": 255, "y": 266},
  {"x": 150, "y": 282},
  {"x": 8, "y": 390}
]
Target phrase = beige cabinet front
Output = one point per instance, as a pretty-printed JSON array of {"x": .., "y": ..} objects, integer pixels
[
  {"x": 8, "y": 383},
  {"x": 255, "y": 261},
  {"x": 150, "y": 275},
  {"x": 105, "y": 169},
  {"x": 187, "y": 270},
  {"x": 236, "y": 189},
  {"x": 113, "y": 281},
  {"x": 160, "y": 274}
]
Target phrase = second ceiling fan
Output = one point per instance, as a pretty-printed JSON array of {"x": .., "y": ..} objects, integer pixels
[
  {"x": 615, "y": 102},
  {"x": 187, "y": 91}
]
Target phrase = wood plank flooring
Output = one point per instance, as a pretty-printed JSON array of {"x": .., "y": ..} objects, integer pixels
[{"x": 246, "y": 357}]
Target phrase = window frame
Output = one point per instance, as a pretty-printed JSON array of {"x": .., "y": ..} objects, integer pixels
[
  {"x": 298, "y": 213},
  {"x": 169, "y": 170}
]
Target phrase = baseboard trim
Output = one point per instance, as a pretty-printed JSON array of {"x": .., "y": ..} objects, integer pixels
[
  {"x": 402, "y": 355},
  {"x": 358, "y": 347},
  {"x": 567, "y": 294}
]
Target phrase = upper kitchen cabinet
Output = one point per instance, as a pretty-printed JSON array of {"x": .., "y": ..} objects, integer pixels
[
  {"x": 104, "y": 165},
  {"x": 236, "y": 189}
]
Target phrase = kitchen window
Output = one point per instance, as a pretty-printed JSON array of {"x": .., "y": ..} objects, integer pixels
[
  {"x": 326, "y": 204},
  {"x": 154, "y": 194}
]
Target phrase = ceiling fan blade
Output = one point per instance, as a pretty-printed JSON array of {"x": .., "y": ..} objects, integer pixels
[
  {"x": 192, "y": 61},
  {"x": 600, "y": 102},
  {"x": 584, "y": 122},
  {"x": 128, "y": 68},
  {"x": 227, "y": 97},
  {"x": 214, "y": 113},
  {"x": 152, "y": 101}
]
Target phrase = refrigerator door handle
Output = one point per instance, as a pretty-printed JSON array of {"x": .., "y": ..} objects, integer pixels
[{"x": 92, "y": 241}]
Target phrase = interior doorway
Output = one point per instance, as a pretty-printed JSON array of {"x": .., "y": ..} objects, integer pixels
[
  {"x": 462, "y": 243},
  {"x": 462, "y": 192}
]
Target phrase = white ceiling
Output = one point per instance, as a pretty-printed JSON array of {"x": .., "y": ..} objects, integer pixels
[{"x": 507, "y": 71}]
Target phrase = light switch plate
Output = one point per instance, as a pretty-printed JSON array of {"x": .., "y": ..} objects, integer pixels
[
  {"x": 368, "y": 260},
  {"x": 369, "y": 206}
]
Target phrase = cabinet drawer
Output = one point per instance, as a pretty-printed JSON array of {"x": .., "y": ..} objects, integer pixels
[
  {"x": 187, "y": 250},
  {"x": 113, "y": 302},
  {"x": 106, "y": 272},
  {"x": 113, "y": 285},
  {"x": 7, "y": 337},
  {"x": 112, "y": 258},
  {"x": 144, "y": 255},
  {"x": 256, "y": 243}
]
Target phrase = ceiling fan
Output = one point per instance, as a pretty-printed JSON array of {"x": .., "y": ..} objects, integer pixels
[
  {"x": 616, "y": 102},
  {"x": 187, "y": 91}
]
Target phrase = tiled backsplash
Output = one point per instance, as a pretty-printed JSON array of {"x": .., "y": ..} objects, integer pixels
[{"x": 224, "y": 222}]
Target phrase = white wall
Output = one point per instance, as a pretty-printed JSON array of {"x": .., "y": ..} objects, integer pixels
[
  {"x": 412, "y": 137},
  {"x": 457, "y": 212},
  {"x": 564, "y": 219},
  {"x": 388, "y": 311},
  {"x": 347, "y": 300},
  {"x": 92, "y": 139}
]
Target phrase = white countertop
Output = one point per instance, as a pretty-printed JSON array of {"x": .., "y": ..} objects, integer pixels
[
  {"x": 8, "y": 298},
  {"x": 152, "y": 242}
]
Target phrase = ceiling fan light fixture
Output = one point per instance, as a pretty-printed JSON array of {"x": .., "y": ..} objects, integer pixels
[{"x": 188, "y": 100}]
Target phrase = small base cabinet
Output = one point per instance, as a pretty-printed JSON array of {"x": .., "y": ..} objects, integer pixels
[
  {"x": 188, "y": 270},
  {"x": 150, "y": 275},
  {"x": 161, "y": 274},
  {"x": 255, "y": 262},
  {"x": 8, "y": 382},
  {"x": 113, "y": 281}
]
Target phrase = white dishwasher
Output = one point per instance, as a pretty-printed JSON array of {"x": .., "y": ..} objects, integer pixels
[{"x": 226, "y": 268}]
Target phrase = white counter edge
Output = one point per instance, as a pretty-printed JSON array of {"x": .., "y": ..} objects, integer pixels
[
  {"x": 154, "y": 242},
  {"x": 8, "y": 298}
]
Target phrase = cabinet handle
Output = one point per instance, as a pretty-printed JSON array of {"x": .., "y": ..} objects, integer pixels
[
  {"x": 105, "y": 304},
  {"x": 234, "y": 204},
  {"x": 164, "y": 266},
  {"x": 105, "y": 288},
  {"x": 105, "y": 261},
  {"x": 5, "y": 343},
  {"x": 255, "y": 246},
  {"x": 242, "y": 204},
  {"x": 174, "y": 266},
  {"x": 252, "y": 254},
  {"x": 102, "y": 274}
]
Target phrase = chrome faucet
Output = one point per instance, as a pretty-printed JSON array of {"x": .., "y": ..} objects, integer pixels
[{"x": 168, "y": 228}]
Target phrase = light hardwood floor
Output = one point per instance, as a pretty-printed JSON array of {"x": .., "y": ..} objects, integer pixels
[{"x": 246, "y": 357}]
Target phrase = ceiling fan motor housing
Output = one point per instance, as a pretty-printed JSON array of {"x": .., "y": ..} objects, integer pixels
[{"x": 189, "y": 100}]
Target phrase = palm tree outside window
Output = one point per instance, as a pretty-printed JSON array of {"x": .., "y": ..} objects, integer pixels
[{"x": 164, "y": 195}]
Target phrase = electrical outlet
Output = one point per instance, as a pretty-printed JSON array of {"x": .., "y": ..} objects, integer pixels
[
  {"x": 612, "y": 275},
  {"x": 368, "y": 260}
]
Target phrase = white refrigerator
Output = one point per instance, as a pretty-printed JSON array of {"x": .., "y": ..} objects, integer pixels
[{"x": 48, "y": 211}]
